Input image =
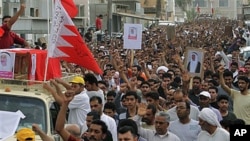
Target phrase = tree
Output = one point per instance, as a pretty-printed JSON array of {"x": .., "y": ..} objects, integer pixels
[
  {"x": 191, "y": 14},
  {"x": 183, "y": 4}
]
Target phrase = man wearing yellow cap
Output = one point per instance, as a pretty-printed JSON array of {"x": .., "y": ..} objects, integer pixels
[
  {"x": 79, "y": 106},
  {"x": 25, "y": 134}
]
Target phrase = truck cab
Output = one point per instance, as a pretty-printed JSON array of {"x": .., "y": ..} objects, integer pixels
[{"x": 36, "y": 104}]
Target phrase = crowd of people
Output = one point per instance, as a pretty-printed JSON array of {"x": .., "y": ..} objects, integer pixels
[{"x": 153, "y": 94}]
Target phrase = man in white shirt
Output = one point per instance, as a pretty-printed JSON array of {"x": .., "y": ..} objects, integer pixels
[
  {"x": 180, "y": 97},
  {"x": 96, "y": 104},
  {"x": 79, "y": 105},
  {"x": 91, "y": 85},
  {"x": 184, "y": 127}
]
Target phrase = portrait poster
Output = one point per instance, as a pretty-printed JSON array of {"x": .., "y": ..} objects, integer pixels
[
  {"x": 194, "y": 59},
  {"x": 7, "y": 63},
  {"x": 132, "y": 36},
  {"x": 228, "y": 31},
  {"x": 170, "y": 32}
]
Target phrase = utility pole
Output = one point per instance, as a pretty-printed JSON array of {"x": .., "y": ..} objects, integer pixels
[
  {"x": 158, "y": 9},
  {"x": 109, "y": 15}
]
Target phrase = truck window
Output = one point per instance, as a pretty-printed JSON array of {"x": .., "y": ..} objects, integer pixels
[
  {"x": 54, "y": 109},
  {"x": 34, "y": 109}
]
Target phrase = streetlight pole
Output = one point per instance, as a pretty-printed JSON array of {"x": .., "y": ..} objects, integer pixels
[
  {"x": 110, "y": 17},
  {"x": 174, "y": 10}
]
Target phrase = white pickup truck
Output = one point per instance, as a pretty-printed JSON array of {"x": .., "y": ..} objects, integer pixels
[{"x": 33, "y": 101}]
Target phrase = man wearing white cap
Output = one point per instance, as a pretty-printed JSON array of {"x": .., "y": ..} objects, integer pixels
[
  {"x": 204, "y": 102},
  {"x": 211, "y": 128}
]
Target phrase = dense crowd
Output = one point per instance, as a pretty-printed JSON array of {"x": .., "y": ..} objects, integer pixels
[
  {"x": 151, "y": 94},
  {"x": 158, "y": 92}
]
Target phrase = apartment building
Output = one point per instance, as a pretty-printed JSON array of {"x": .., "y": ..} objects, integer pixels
[{"x": 33, "y": 24}]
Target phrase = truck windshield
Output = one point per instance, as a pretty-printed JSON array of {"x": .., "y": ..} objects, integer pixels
[{"x": 33, "y": 109}]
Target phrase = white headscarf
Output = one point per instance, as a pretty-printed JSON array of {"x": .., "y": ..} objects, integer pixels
[
  {"x": 209, "y": 116},
  {"x": 165, "y": 69}
]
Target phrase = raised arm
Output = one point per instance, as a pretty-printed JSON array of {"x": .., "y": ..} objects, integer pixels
[
  {"x": 58, "y": 89},
  {"x": 53, "y": 92},
  {"x": 14, "y": 18},
  {"x": 222, "y": 82},
  {"x": 60, "y": 121},
  {"x": 65, "y": 84},
  {"x": 41, "y": 133}
]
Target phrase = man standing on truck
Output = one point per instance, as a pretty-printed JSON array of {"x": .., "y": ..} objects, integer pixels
[{"x": 9, "y": 38}]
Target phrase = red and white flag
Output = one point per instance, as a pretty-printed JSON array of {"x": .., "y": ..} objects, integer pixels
[
  {"x": 70, "y": 7},
  {"x": 197, "y": 8},
  {"x": 212, "y": 8},
  {"x": 66, "y": 43}
]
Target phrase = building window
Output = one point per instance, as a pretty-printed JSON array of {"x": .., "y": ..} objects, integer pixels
[
  {"x": 201, "y": 3},
  {"x": 81, "y": 11},
  {"x": 32, "y": 12},
  {"x": 223, "y": 3},
  {"x": 14, "y": 10}
]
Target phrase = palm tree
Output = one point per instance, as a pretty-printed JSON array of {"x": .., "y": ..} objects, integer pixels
[{"x": 183, "y": 4}]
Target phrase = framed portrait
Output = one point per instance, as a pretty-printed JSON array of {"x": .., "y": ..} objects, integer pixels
[{"x": 194, "y": 59}]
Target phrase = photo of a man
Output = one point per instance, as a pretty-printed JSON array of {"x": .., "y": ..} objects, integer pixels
[
  {"x": 5, "y": 62},
  {"x": 194, "y": 65}
]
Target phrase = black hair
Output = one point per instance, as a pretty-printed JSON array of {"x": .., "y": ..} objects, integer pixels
[
  {"x": 138, "y": 67},
  {"x": 234, "y": 64},
  {"x": 102, "y": 82},
  {"x": 109, "y": 105},
  {"x": 167, "y": 75},
  {"x": 214, "y": 88},
  {"x": 153, "y": 108},
  {"x": 227, "y": 74},
  {"x": 222, "y": 97},
  {"x": 197, "y": 77},
  {"x": 90, "y": 78},
  {"x": 153, "y": 95},
  {"x": 95, "y": 115},
  {"x": 102, "y": 124},
  {"x": 96, "y": 98},
  {"x": 128, "y": 122},
  {"x": 126, "y": 129},
  {"x": 5, "y": 17},
  {"x": 140, "y": 78},
  {"x": 225, "y": 123},
  {"x": 215, "y": 75},
  {"x": 238, "y": 122},
  {"x": 215, "y": 83},
  {"x": 111, "y": 93},
  {"x": 244, "y": 78},
  {"x": 131, "y": 93},
  {"x": 144, "y": 83}
]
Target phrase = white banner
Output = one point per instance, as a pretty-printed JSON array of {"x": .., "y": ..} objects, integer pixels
[
  {"x": 9, "y": 123},
  {"x": 132, "y": 36},
  {"x": 33, "y": 67}
]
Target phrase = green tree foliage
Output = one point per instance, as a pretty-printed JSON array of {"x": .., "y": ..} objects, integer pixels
[{"x": 183, "y": 4}]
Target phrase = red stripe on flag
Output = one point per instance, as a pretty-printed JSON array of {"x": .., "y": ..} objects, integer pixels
[{"x": 70, "y": 7}]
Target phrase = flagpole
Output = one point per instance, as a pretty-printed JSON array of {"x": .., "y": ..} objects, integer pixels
[{"x": 47, "y": 58}]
